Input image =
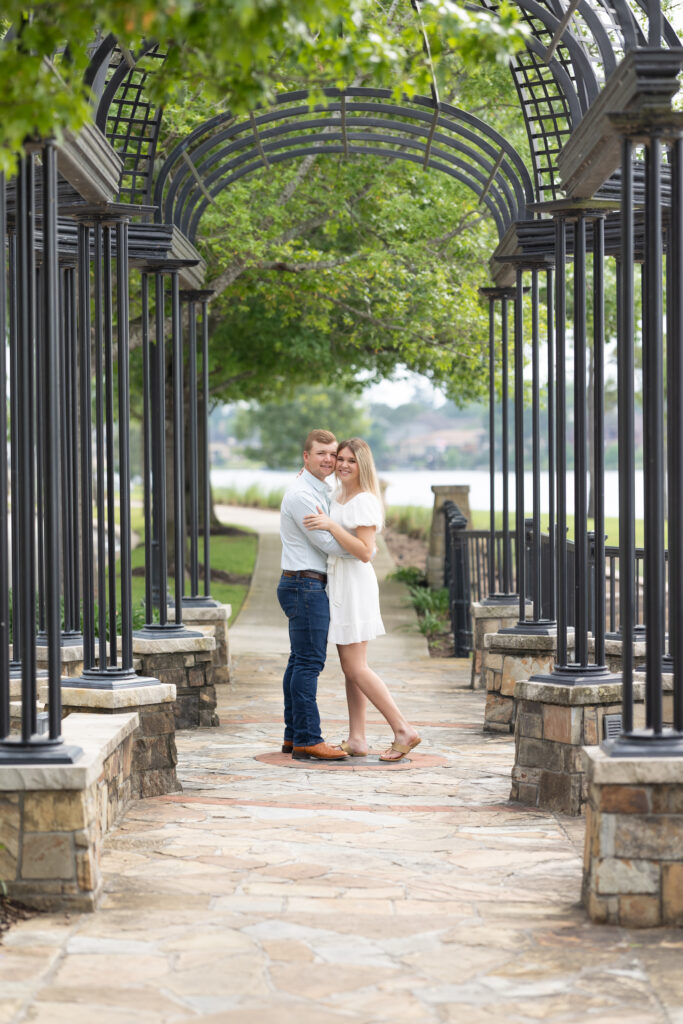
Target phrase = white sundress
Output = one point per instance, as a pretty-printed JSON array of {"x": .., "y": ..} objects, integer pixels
[{"x": 351, "y": 584}]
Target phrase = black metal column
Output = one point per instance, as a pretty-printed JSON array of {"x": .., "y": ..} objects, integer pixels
[
  {"x": 4, "y": 481},
  {"x": 562, "y": 658},
  {"x": 505, "y": 444},
  {"x": 550, "y": 343},
  {"x": 654, "y": 739},
  {"x": 599, "y": 606},
  {"x": 498, "y": 569},
  {"x": 198, "y": 454},
  {"x": 581, "y": 577},
  {"x": 85, "y": 404},
  {"x": 13, "y": 303},
  {"x": 520, "y": 546},
  {"x": 156, "y": 463},
  {"x": 674, "y": 358},
  {"x": 533, "y": 587},
  {"x": 71, "y": 632},
  {"x": 33, "y": 390},
  {"x": 205, "y": 457},
  {"x": 106, "y": 669}
]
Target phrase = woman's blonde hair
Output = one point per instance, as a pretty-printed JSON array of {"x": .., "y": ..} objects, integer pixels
[{"x": 367, "y": 474}]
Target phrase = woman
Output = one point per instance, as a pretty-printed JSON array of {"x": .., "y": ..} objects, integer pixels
[{"x": 355, "y": 516}]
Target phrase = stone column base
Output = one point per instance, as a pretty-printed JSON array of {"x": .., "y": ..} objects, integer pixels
[
  {"x": 72, "y": 659},
  {"x": 508, "y": 659},
  {"x": 488, "y": 618},
  {"x": 53, "y": 817},
  {"x": 554, "y": 723},
  {"x": 153, "y": 768},
  {"x": 212, "y": 621},
  {"x": 186, "y": 663},
  {"x": 667, "y": 693},
  {"x": 633, "y": 859},
  {"x": 16, "y": 708},
  {"x": 613, "y": 654}
]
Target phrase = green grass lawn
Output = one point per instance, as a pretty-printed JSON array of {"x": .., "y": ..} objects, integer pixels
[
  {"x": 481, "y": 519},
  {"x": 235, "y": 555}
]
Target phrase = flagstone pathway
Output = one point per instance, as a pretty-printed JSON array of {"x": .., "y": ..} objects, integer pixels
[{"x": 268, "y": 894}]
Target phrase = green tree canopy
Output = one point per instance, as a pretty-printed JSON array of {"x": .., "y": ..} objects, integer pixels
[
  {"x": 237, "y": 52},
  {"x": 279, "y": 429},
  {"x": 328, "y": 268}
]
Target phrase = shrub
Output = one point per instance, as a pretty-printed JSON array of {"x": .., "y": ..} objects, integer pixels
[
  {"x": 430, "y": 624},
  {"x": 426, "y": 601},
  {"x": 411, "y": 575}
]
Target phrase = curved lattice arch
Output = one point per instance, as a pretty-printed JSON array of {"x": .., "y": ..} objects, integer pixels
[
  {"x": 555, "y": 85},
  {"x": 571, "y": 50},
  {"x": 354, "y": 122}
]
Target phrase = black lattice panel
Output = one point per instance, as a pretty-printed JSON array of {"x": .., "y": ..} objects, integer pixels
[{"x": 132, "y": 124}]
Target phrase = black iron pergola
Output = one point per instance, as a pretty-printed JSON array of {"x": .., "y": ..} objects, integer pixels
[{"x": 80, "y": 218}]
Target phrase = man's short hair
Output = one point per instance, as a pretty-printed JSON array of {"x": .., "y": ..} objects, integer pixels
[{"x": 319, "y": 437}]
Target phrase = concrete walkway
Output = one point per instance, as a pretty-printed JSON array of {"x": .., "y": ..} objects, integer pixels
[{"x": 268, "y": 894}]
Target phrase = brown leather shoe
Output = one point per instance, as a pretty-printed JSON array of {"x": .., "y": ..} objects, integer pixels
[
  {"x": 319, "y": 752},
  {"x": 287, "y": 746}
]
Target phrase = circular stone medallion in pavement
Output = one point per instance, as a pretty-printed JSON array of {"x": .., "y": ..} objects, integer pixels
[{"x": 354, "y": 764}]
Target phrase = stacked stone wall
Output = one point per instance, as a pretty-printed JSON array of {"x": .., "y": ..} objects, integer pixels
[
  {"x": 155, "y": 756},
  {"x": 554, "y": 723},
  {"x": 213, "y": 622},
  {"x": 53, "y": 818},
  {"x": 510, "y": 658},
  {"x": 487, "y": 619},
  {"x": 633, "y": 872},
  {"x": 186, "y": 663}
]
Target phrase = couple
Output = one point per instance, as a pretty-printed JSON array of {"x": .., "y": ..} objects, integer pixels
[{"x": 331, "y": 544}]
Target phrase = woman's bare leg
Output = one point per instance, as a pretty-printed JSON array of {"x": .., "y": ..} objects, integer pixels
[
  {"x": 358, "y": 706},
  {"x": 354, "y": 663}
]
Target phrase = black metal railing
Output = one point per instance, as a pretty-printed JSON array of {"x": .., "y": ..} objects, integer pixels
[{"x": 466, "y": 575}]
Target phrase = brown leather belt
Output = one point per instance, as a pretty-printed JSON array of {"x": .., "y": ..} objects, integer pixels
[{"x": 310, "y": 574}]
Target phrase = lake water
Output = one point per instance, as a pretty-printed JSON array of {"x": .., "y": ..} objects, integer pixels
[{"x": 414, "y": 487}]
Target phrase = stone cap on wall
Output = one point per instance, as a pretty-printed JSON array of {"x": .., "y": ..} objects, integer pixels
[
  {"x": 173, "y": 645},
  {"x": 205, "y": 613},
  {"x": 97, "y": 735},
  {"x": 496, "y": 611},
  {"x": 128, "y": 697},
  {"x": 524, "y": 642},
  {"x": 559, "y": 693},
  {"x": 606, "y": 771}
]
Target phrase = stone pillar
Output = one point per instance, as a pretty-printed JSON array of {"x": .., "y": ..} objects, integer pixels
[
  {"x": 72, "y": 660},
  {"x": 488, "y": 618},
  {"x": 667, "y": 693},
  {"x": 460, "y": 495},
  {"x": 510, "y": 658},
  {"x": 53, "y": 817},
  {"x": 187, "y": 663},
  {"x": 613, "y": 654},
  {"x": 212, "y": 621},
  {"x": 633, "y": 857},
  {"x": 154, "y": 755},
  {"x": 553, "y": 724}
]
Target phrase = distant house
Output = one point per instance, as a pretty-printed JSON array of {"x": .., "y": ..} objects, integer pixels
[{"x": 439, "y": 441}]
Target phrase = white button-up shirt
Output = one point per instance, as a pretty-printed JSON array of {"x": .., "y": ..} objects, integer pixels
[{"x": 302, "y": 548}]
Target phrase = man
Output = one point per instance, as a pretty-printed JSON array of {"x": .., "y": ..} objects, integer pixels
[{"x": 302, "y": 597}]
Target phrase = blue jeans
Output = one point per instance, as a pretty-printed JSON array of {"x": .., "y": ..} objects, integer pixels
[{"x": 305, "y": 604}]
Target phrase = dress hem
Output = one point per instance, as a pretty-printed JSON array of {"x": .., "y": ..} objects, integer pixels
[{"x": 345, "y": 637}]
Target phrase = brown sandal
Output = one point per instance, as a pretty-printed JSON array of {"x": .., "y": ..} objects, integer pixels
[
  {"x": 401, "y": 749},
  {"x": 344, "y": 745}
]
